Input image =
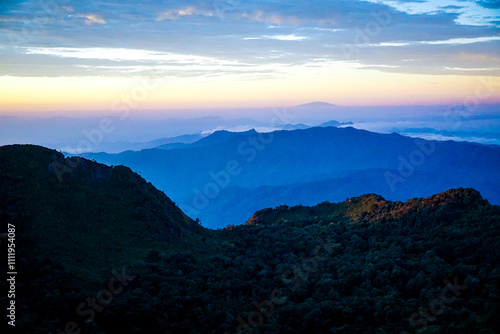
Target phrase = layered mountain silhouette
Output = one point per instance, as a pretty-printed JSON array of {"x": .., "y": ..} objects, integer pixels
[
  {"x": 316, "y": 104},
  {"x": 84, "y": 229},
  {"x": 225, "y": 177}
]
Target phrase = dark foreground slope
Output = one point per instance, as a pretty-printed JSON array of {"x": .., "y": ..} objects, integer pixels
[
  {"x": 364, "y": 266},
  {"x": 90, "y": 259},
  {"x": 77, "y": 223},
  {"x": 77, "y": 210}
]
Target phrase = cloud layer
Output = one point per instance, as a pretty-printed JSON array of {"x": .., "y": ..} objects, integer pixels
[{"x": 111, "y": 37}]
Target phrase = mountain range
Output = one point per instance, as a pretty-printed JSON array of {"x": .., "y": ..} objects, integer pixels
[{"x": 225, "y": 177}]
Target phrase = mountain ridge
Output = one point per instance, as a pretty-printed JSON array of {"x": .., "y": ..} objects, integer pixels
[
  {"x": 282, "y": 159},
  {"x": 373, "y": 208}
]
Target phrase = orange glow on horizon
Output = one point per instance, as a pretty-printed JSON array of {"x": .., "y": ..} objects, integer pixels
[{"x": 337, "y": 84}]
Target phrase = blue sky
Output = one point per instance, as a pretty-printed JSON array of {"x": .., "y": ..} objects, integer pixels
[{"x": 245, "y": 48}]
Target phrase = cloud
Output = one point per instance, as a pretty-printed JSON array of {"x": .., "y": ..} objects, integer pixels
[
  {"x": 121, "y": 54},
  {"x": 9, "y": 19},
  {"x": 175, "y": 14},
  {"x": 68, "y": 9},
  {"x": 461, "y": 69},
  {"x": 494, "y": 4},
  {"x": 121, "y": 61},
  {"x": 262, "y": 16},
  {"x": 453, "y": 41},
  {"x": 469, "y": 12},
  {"x": 464, "y": 40},
  {"x": 93, "y": 19},
  {"x": 279, "y": 37},
  {"x": 236, "y": 13},
  {"x": 427, "y": 32}
]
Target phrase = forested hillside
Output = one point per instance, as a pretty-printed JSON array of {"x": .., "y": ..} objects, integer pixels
[{"x": 365, "y": 265}]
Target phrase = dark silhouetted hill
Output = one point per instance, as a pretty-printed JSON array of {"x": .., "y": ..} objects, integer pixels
[{"x": 73, "y": 211}]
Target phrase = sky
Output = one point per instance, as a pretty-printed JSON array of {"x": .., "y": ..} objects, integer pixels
[{"x": 83, "y": 57}]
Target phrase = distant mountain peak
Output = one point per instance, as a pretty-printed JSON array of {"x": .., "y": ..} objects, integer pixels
[
  {"x": 316, "y": 104},
  {"x": 222, "y": 132},
  {"x": 223, "y": 135},
  {"x": 334, "y": 123}
]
